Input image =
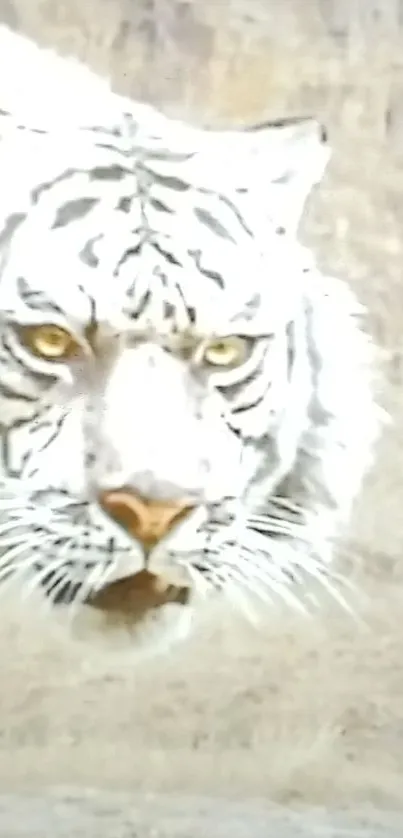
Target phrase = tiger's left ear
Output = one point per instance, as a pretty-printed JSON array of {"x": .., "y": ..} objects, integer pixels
[
  {"x": 271, "y": 168},
  {"x": 281, "y": 162}
]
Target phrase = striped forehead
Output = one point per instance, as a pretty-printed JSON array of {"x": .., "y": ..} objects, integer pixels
[
  {"x": 148, "y": 281},
  {"x": 190, "y": 251}
]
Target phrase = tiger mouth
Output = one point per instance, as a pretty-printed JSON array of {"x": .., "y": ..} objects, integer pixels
[{"x": 134, "y": 596}]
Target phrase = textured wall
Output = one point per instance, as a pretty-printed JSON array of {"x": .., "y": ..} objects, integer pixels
[{"x": 239, "y": 58}]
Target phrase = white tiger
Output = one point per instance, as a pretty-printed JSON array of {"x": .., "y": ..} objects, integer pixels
[{"x": 182, "y": 393}]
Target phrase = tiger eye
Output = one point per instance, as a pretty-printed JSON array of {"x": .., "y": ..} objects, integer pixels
[
  {"x": 226, "y": 352},
  {"x": 50, "y": 342}
]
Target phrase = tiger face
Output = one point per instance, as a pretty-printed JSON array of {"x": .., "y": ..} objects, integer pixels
[
  {"x": 133, "y": 386},
  {"x": 174, "y": 411}
]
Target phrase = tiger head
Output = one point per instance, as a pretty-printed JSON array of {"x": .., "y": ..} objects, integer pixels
[{"x": 158, "y": 367}]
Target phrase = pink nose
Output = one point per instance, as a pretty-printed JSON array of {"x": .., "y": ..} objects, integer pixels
[{"x": 146, "y": 520}]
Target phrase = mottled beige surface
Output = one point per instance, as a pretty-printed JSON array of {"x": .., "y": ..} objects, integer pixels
[{"x": 301, "y": 714}]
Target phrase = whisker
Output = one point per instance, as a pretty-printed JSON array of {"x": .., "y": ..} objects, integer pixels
[
  {"x": 25, "y": 525},
  {"x": 57, "y": 565},
  {"x": 275, "y": 526},
  {"x": 62, "y": 590},
  {"x": 287, "y": 503},
  {"x": 27, "y": 565},
  {"x": 8, "y": 560},
  {"x": 202, "y": 584},
  {"x": 11, "y": 542},
  {"x": 14, "y": 524},
  {"x": 49, "y": 580},
  {"x": 334, "y": 592},
  {"x": 52, "y": 579},
  {"x": 274, "y": 556},
  {"x": 97, "y": 578},
  {"x": 281, "y": 587},
  {"x": 13, "y": 572},
  {"x": 303, "y": 564},
  {"x": 12, "y": 505},
  {"x": 236, "y": 593},
  {"x": 253, "y": 583}
]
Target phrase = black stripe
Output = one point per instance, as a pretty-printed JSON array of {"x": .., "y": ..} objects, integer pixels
[
  {"x": 169, "y": 310},
  {"x": 113, "y": 172},
  {"x": 231, "y": 391},
  {"x": 45, "y": 186},
  {"x": 160, "y": 206},
  {"x": 165, "y": 253},
  {"x": 250, "y": 405},
  {"x": 22, "y": 127},
  {"x": 42, "y": 425},
  {"x": 286, "y": 177},
  {"x": 19, "y": 127},
  {"x": 290, "y": 333},
  {"x": 14, "y": 395},
  {"x": 131, "y": 251},
  {"x": 290, "y": 363},
  {"x": 210, "y": 274},
  {"x": 73, "y": 210},
  {"x": 141, "y": 306},
  {"x": 36, "y": 300},
  {"x": 43, "y": 381},
  {"x": 167, "y": 157},
  {"x": 100, "y": 129},
  {"x": 67, "y": 593},
  {"x": 31, "y": 130},
  {"x": 287, "y": 122},
  {"x": 224, "y": 200},
  {"x": 124, "y": 152},
  {"x": 283, "y": 122},
  {"x": 190, "y": 310},
  {"x": 228, "y": 203},
  {"x": 92, "y": 322},
  {"x": 7, "y": 447},
  {"x": 87, "y": 254},
  {"x": 212, "y": 223},
  {"x": 59, "y": 426},
  {"x": 252, "y": 305},
  {"x": 175, "y": 183},
  {"x": 124, "y": 204},
  {"x": 12, "y": 222}
]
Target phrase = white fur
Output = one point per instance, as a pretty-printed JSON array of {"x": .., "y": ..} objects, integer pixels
[{"x": 146, "y": 417}]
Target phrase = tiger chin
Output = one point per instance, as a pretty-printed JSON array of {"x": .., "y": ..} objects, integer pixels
[
  {"x": 141, "y": 615},
  {"x": 187, "y": 403}
]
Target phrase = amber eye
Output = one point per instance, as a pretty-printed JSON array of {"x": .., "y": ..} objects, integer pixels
[
  {"x": 50, "y": 342},
  {"x": 226, "y": 352}
]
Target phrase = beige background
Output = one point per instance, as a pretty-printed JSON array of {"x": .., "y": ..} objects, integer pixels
[{"x": 295, "y": 714}]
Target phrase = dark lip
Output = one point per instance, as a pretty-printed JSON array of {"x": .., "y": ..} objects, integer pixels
[{"x": 137, "y": 594}]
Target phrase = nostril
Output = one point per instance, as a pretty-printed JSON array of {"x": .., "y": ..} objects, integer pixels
[
  {"x": 120, "y": 510},
  {"x": 146, "y": 520},
  {"x": 125, "y": 508}
]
